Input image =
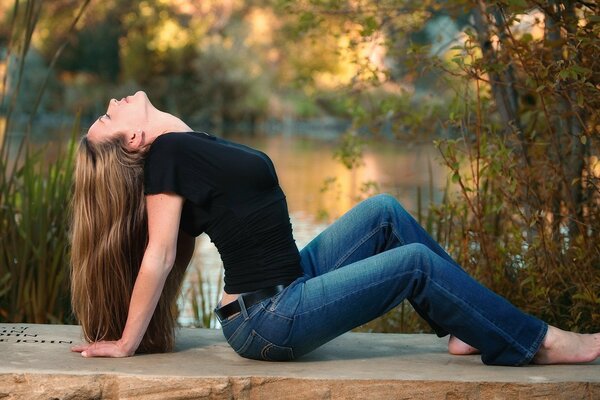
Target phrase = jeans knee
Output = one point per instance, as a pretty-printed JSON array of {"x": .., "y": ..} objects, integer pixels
[
  {"x": 387, "y": 204},
  {"x": 385, "y": 199},
  {"x": 420, "y": 256}
]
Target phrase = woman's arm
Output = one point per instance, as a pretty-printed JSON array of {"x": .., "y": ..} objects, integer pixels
[
  {"x": 164, "y": 212},
  {"x": 185, "y": 250}
]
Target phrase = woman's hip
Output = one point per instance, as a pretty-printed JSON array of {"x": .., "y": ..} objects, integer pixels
[{"x": 259, "y": 331}]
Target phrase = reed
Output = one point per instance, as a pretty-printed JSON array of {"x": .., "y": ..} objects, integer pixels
[
  {"x": 34, "y": 253},
  {"x": 35, "y": 191},
  {"x": 203, "y": 297}
]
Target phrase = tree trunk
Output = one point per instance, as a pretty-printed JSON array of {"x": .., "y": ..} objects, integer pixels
[
  {"x": 577, "y": 147},
  {"x": 567, "y": 128}
]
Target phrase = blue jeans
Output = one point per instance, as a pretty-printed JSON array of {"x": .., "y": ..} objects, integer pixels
[{"x": 365, "y": 264}]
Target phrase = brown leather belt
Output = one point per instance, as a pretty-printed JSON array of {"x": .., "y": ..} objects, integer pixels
[{"x": 249, "y": 299}]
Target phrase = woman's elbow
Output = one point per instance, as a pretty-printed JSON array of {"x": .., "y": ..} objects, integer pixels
[{"x": 160, "y": 257}]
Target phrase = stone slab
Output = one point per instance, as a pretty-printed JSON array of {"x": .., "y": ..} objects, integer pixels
[{"x": 35, "y": 363}]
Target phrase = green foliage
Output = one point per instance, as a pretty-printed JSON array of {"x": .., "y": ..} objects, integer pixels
[
  {"x": 203, "y": 61},
  {"x": 203, "y": 299},
  {"x": 231, "y": 89},
  {"x": 34, "y": 262},
  {"x": 34, "y": 193},
  {"x": 518, "y": 100},
  {"x": 350, "y": 150},
  {"x": 526, "y": 170}
]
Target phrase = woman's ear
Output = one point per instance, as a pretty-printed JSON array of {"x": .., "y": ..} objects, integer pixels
[{"x": 135, "y": 139}]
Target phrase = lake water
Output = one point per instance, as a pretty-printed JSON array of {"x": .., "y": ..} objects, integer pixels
[{"x": 303, "y": 166}]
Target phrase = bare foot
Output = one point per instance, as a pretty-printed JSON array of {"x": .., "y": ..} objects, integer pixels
[
  {"x": 562, "y": 347},
  {"x": 460, "y": 348}
]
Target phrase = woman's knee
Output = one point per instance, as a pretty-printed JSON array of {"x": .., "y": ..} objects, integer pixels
[
  {"x": 384, "y": 199},
  {"x": 386, "y": 202},
  {"x": 417, "y": 257},
  {"x": 418, "y": 251},
  {"x": 388, "y": 205}
]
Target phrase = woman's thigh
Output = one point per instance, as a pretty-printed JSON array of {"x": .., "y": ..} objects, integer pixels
[
  {"x": 374, "y": 225},
  {"x": 328, "y": 305}
]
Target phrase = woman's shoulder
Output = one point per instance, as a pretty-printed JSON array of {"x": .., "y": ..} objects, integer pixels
[
  {"x": 170, "y": 140},
  {"x": 175, "y": 143},
  {"x": 176, "y": 162}
]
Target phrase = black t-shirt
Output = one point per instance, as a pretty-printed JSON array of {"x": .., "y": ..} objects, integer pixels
[{"x": 232, "y": 193}]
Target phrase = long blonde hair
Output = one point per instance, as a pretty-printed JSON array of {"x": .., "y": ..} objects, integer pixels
[{"x": 109, "y": 235}]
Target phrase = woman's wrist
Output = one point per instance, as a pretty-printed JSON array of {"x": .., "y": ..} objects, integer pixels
[{"x": 127, "y": 347}]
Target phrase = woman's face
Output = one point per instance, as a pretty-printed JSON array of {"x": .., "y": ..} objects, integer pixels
[{"x": 128, "y": 116}]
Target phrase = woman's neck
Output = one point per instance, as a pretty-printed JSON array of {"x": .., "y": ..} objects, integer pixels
[{"x": 165, "y": 123}]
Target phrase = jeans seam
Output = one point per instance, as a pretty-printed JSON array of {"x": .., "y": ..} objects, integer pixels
[
  {"x": 267, "y": 310},
  {"x": 396, "y": 233},
  {"x": 243, "y": 322},
  {"x": 235, "y": 332},
  {"x": 350, "y": 294},
  {"x": 229, "y": 320},
  {"x": 506, "y": 335},
  {"x": 366, "y": 237},
  {"x": 535, "y": 346},
  {"x": 275, "y": 299}
]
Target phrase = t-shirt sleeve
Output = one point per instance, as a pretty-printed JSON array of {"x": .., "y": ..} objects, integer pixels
[{"x": 175, "y": 164}]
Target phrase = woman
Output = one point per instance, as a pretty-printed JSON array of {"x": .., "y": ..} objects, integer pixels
[{"x": 146, "y": 184}]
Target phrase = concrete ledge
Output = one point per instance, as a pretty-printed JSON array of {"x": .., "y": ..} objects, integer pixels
[{"x": 36, "y": 363}]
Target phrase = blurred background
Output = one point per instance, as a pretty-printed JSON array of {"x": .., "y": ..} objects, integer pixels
[{"x": 480, "y": 117}]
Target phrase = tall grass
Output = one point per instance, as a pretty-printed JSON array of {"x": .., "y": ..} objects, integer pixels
[
  {"x": 203, "y": 297},
  {"x": 34, "y": 196},
  {"x": 34, "y": 253}
]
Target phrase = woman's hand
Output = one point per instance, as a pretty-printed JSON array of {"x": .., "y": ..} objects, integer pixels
[{"x": 103, "y": 349}]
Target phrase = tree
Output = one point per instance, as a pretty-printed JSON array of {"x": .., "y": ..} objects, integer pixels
[{"x": 517, "y": 87}]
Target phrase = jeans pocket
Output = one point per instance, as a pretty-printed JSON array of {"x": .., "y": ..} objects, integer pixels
[
  {"x": 258, "y": 348},
  {"x": 271, "y": 304},
  {"x": 230, "y": 319},
  {"x": 234, "y": 329},
  {"x": 288, "y": 296}
]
